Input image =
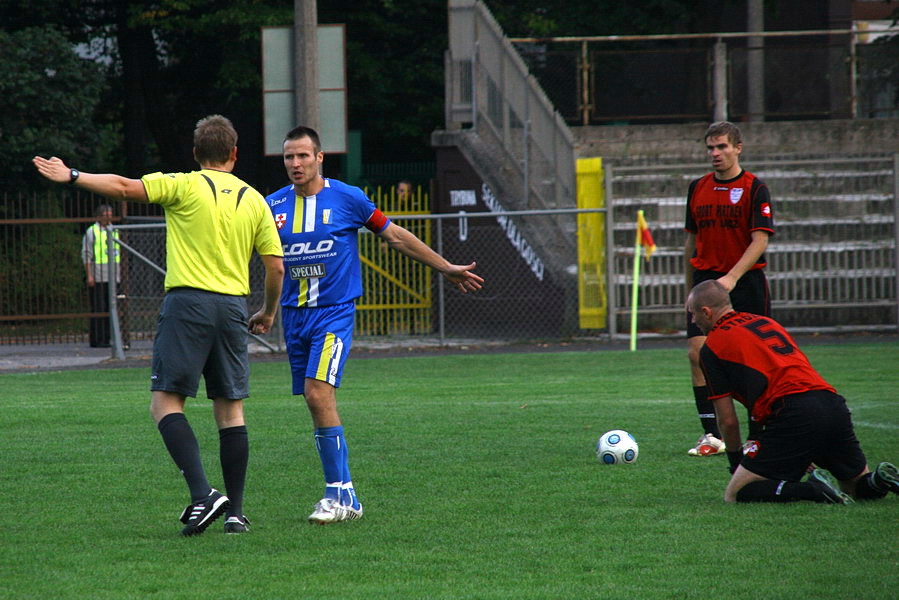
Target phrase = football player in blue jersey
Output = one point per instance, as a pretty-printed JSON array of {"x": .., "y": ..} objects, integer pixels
[{"x": 318, "y": 220}]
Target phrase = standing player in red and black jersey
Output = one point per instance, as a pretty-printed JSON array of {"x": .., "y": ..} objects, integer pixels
[
  {"x": 729, "y": 220},
  {"x": 803, "y": 421}
]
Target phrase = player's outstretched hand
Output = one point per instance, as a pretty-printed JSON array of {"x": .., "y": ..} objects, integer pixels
[
  {"x": 52, "y": 168},
  {"x": 260, "y": 323},
  {"x": 464, "y": 278}
]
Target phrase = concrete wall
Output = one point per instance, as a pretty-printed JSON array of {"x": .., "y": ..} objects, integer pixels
[{"x": 684, "y": 142}]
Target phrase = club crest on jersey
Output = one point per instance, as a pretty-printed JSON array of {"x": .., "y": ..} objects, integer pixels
[
  {"x": 735, "y": 195},
  {"x": 326, "y": 216},
  {"x": 751, "y": 448},
  {"x": 280, "y": 219}
]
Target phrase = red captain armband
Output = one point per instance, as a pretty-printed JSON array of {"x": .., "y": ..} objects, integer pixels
[{"x": 377, "y": 221}]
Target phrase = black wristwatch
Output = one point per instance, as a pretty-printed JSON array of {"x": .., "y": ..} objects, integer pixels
[{"x": 73, "y": 175}]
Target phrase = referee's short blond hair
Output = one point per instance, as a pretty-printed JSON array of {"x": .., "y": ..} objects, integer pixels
[{"x": 214, "y": 137}]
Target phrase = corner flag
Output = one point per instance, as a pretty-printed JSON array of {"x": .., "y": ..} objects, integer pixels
[
  {"x": 644, "y": 235},
  {"x": 644, "y": 240}
]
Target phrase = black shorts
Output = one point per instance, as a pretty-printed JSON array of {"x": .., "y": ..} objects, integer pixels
[
  {"x": 749, "y": 295},
  {"x": 812, "y": 427},
  {"x": 201, "y": 332}
]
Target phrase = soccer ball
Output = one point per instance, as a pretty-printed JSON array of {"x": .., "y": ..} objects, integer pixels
[{"x": 617, "y": 446}]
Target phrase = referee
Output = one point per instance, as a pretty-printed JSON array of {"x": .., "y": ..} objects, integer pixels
[{"x": 214, "y": 222}]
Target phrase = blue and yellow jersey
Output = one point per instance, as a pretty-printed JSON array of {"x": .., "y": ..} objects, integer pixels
[
  {"x": 213, "y": 222},
  {"x": 319, "y": 236}
]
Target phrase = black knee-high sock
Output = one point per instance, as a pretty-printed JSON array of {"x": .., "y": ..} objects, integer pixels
[
  {"x": 706, "y": 410},
  {"x": 866, "y": 490},
  {"x": 770, "y": 490},
  {"x": 182, "y": 445},
  {"x": 234, "y": 452}
]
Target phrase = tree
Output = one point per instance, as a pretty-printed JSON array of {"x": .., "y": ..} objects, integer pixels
[
  {"x": 395, "y": 73},
  {"x": 170, "y": 62},
  {"x": 48, "y": 98}
]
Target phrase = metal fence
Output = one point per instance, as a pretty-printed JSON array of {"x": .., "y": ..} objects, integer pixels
[
  {"x": 832, "y": 262},
  {"x": 716, "y": 76},
  {"x": 521, "y": 300}
]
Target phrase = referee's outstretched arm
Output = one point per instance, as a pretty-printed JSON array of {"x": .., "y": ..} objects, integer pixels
[{"x": 106, "y": 184}]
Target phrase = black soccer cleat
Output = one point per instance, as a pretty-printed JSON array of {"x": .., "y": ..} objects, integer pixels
[
  {"x": 826, "y": 486},
  {"x": 886, "y": 477},
  {"x": 237, "y": 524},
  {"x": 197, "y": 517}
]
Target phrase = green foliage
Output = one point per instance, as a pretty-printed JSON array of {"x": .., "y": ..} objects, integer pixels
[
  {"x": 47, "y": 99},
  {"x": 184, "y": 59},
  {"x": 395, "y": 73},
  {"x": 225, "y": 37},
  {"x": 478, "y": 478}
]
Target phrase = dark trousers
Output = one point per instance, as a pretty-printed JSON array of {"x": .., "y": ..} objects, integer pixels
[{"x": 99, "y": 326}]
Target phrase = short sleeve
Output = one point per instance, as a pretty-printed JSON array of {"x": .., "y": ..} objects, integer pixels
[{"x": 164, "y": 188}]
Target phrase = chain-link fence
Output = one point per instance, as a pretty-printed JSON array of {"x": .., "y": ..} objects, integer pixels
[
  {"x": 832, "y": 262},
  {"x": 525, "y": 297},
  {"x": 43, "y": 296}
]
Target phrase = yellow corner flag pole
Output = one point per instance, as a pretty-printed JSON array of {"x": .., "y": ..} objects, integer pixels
[
  {"x": 635, "y": 286},
  {"x": 644, "y": 240}
]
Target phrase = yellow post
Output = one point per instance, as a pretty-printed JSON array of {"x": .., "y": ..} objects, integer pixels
[{"x": 591, "y": 244}]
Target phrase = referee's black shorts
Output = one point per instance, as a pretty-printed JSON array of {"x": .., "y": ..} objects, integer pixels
[
  {"x": 749, "y": 295},
  {"x": 201, "y": 332},
  {"x": 811, "y": 427}
]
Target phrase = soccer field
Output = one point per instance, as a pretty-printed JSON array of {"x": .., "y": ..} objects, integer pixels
[{"x": 478, "y": 477}]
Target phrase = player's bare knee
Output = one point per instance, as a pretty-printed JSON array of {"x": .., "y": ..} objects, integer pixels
[{"x": 693, "y": 355}]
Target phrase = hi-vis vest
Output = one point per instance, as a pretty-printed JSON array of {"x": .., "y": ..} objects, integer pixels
[{"x": 100, "y": 255}]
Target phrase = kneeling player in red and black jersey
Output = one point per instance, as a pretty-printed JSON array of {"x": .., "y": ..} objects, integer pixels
[{"x": 804, "y": 422}]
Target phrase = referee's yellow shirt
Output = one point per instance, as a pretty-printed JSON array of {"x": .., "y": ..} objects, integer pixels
[{"x": 214, "y": 221}]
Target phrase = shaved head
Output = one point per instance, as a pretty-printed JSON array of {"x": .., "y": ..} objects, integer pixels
[
  {"x": 707, "y": 301},
  {"x": 708, "y": 293}
]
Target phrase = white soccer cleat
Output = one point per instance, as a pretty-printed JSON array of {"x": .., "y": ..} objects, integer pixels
[
  {"x": 707, "y": 445},
  {"x": 328, "y": 510}
]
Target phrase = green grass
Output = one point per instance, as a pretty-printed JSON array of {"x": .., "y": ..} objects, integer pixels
[{"x": 478, "y": 477}]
